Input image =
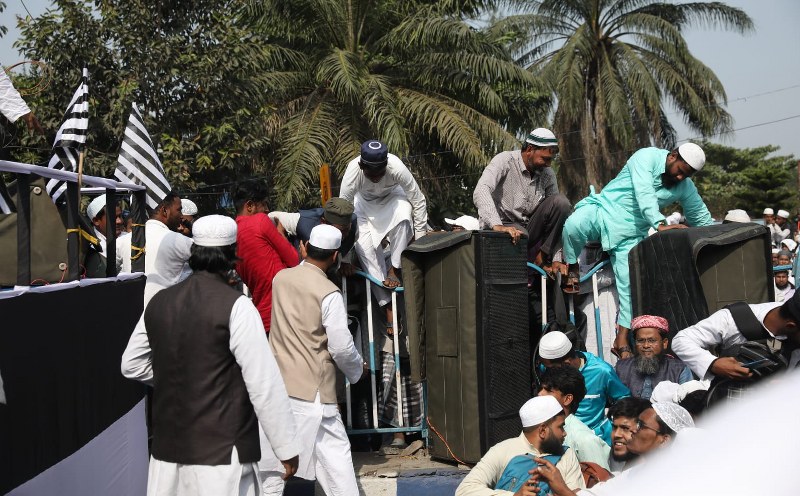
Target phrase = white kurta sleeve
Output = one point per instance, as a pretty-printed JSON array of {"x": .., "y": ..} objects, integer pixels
[
  {"x": 693, "y": 344},
  {"x": 248, "y": 343},
  {"x": 288, "y": 220},
  {"x": 351, "y": 181},
  {"x": 419, "y": 206},
  {"x": 11, "y": 103},
  {"x": 340, "y": 341},
  {"x": 137, "y": 359}
]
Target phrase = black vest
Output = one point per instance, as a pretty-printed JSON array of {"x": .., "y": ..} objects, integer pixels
[
  {"x": 201, "y": 408},
  {"x": 670, "y": 370}
]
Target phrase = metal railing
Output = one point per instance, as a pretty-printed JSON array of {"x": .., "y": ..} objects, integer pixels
[
  {"x": 591, "y": 274},
  {"x": 369, "y": 281}
]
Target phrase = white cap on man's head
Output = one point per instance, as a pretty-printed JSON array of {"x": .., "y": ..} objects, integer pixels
[
  {"x": 554, "y": 345},
  {"x": 737, "y": 215},
  {"x": 542, "y": 137},
  {"x": 789, "y": 244},
  {"x": 693, "y": 155},
  {"x": 783, "y": 214},
  {"x": 214, "y": 230},
  {"x": 188, "y": 207},
  {"x": 769, "y": 211},
  {"x": 675, "y": 416},
  {"x": 325, "y": 237},
  {"x": 468, "y": 222},
  {"x": 539, "y": 409},
  {"x": 95, "y": 206}
]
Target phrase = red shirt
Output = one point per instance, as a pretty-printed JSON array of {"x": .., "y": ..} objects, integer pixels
[{"x": 262, "y": 252}]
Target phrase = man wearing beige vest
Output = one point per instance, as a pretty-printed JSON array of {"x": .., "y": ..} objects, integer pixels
[{"x": 310, "y": 338}]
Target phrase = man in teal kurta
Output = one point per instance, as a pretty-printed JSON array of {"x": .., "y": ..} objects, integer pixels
[{"x": 629, "y": 206}]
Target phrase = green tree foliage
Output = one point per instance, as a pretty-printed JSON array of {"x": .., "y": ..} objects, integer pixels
[
  {"x": 196, "y": 72},
  {"x": 278, "y": 88},
  {"x": 441, "y": 93},
  {"x": 613, "y": 65},
  {"x": 748, "y": 178}
]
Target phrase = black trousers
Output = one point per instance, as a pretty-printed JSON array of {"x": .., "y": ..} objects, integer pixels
[{"x": 546, "y": 224}]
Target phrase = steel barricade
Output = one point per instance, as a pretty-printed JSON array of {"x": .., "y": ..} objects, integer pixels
[
  {"x": 595, "y": 303},
  {"x": 422, "y": 429}
]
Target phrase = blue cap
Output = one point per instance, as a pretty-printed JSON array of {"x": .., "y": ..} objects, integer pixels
[{"x": 374, "y": 154}]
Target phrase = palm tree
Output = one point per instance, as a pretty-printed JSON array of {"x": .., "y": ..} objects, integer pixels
[
  {"x": 409, "y": 72},
  {"x": 612, "y": 65}
]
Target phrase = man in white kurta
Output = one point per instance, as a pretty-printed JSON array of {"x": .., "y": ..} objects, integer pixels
[
  {"x": 389, "y": 205},
  {"x": 310, "y": 339},
  {"x": 166, "y": 251},
  {"x": 243, "y": 364},
  {"x": 693, "y": 345}
]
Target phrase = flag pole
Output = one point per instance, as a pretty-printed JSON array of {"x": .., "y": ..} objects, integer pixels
[{"x": 80, "y": 175}]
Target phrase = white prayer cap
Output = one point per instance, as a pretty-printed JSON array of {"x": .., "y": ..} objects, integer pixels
[
  {"x": 692, "y": 155},
  {"x": 468, "y": 222},
  {"x": 775, "y": 251},
  {"x": 539, "y": 409},
  {"x": 737, "y": 215},
  {"x": 670, "y": 392},
  {"x": 96, "y": 206},
  {"x": 554, "y": 345},
  {"x": 214, "y": 230},
  {"x": 690, "y": 387},
  {"x": 325, "y": 237},
  {"x": 783, "y": 213},
  {"x": 188, "y": 207},
  {"x": 675, "y": 416},
  {"x": 664, "y": 392},
  {"x": 789, "y": 244},
  {"x": 542, "y": 137},
  {"x": 769, "y": 211}
]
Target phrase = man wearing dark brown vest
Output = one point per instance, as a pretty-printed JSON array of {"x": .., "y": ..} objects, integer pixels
[
  {"x": 310, "y": 340},
  {"x": 202, "y": 347}
]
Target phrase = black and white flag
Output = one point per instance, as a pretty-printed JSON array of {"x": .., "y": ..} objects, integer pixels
[
  {"x": 71, "y": 137},
  {"x": 138, "y": 161}
]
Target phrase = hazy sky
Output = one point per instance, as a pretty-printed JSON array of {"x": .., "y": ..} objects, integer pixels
[{"x": 760, "y": 71}]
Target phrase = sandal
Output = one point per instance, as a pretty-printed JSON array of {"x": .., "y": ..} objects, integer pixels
[
  {"x": 392, "y": 278},
  {"x": 572, "y": 284}
]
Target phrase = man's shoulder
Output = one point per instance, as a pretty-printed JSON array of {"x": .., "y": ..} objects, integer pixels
[{"x": 596, "y": 364}]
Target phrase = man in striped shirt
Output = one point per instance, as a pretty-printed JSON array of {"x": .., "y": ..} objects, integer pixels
[{"x": 518, "y": 194}]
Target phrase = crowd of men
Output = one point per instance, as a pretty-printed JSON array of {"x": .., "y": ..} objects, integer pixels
[
  {"x": 245, "y": 389},
  {"x": 274, "y": 355}
]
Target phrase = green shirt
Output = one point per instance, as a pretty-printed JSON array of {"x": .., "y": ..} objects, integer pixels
[{"x": 630, "y": 204}]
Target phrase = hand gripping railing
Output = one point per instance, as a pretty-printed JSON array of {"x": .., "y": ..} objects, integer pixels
[
  {"x": 369, "y": 281},
  {"x": 595, "y": 297}
]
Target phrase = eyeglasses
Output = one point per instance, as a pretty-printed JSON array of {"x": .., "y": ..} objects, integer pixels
[
  {"x": 641, "y": 425},
  {"x": 647, "y": 341}
]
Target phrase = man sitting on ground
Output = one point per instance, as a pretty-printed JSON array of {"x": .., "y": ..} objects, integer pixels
[
  {"x": 566, "y": 385},
  {"x": 650, "y": 363},
  {"x": 542, "y": 433},
  {"x": 624, "y": 414},
  {"x": 602, "y": 384}
]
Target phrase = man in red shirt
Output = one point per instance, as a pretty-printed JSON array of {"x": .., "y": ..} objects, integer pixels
[{"x": 262, "y": 250}]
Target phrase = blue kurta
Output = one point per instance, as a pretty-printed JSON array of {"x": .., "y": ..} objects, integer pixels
[
  {"x": 602, "y": 385},
  {"x": 620, "y": 216}
]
